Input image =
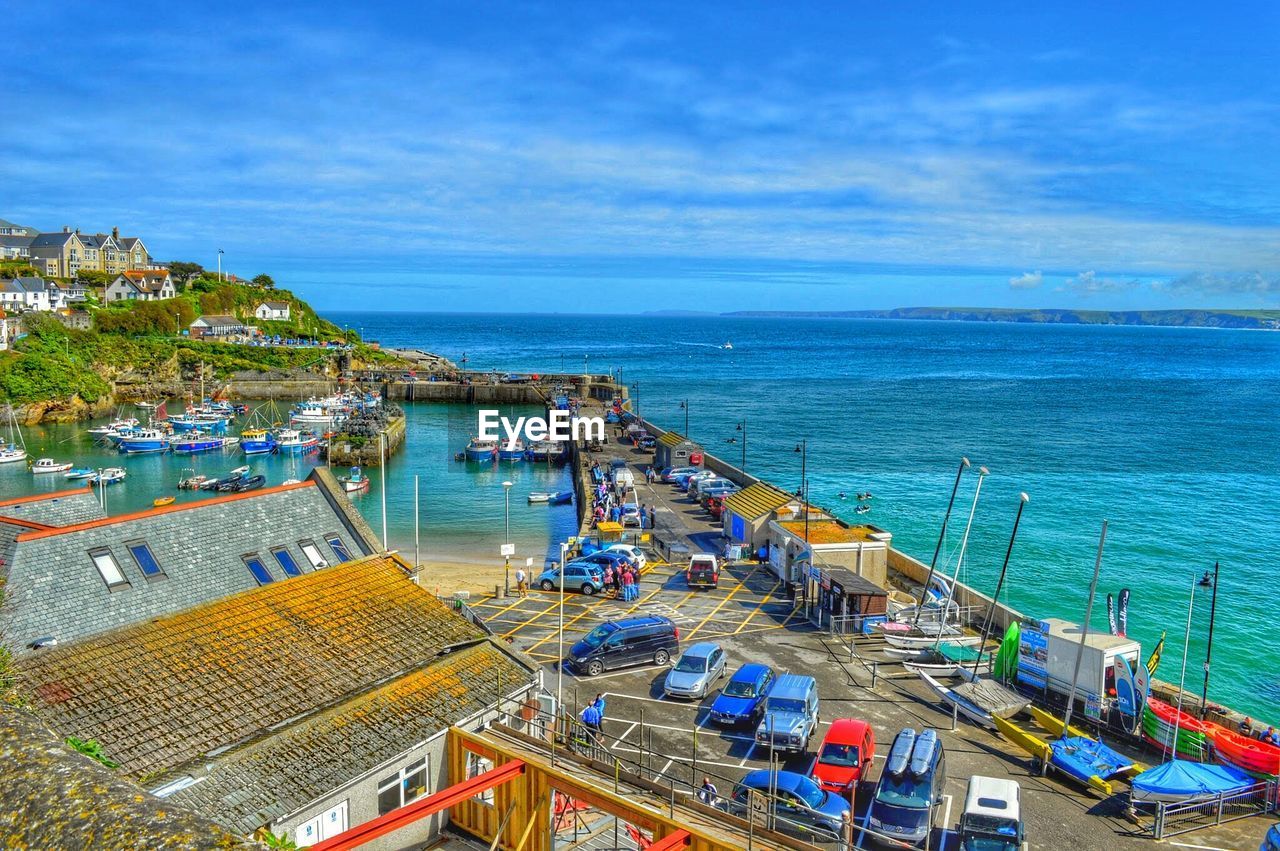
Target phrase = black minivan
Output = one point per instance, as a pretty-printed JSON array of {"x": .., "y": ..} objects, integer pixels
[{"x": 628, "y": 641}]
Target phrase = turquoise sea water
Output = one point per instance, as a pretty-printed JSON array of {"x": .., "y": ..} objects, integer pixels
[{"x": 1170, "y": 434}]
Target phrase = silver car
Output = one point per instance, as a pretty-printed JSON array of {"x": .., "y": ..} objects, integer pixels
[{"x": 696, "y": 672}]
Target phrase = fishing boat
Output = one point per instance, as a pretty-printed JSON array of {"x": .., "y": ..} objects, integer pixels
[
  {"x": 257, "y": 441},
  {"x": 48, "y": 465},
  {"x": 79, "y": 473},
  {"x": 545, "y": 450},
  {"x": 109, "y": 476},
  {"x": 323, "y": 413},
  {"x": 161, "y": 501},
  {"x": 481, "y": 448},
  {"x": 193, "y": 442},
  {"x": 513, "y": 450},
  {"x": 113, "y": 427},
  {"x": 294, "y": 442},
  {"x": 355, "y": 482},
  {"x": 143, "y": 440}
]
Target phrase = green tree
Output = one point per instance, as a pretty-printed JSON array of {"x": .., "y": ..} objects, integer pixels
[
  {"x": 17, "y": 271},
  {"x": 93, "y": 278},
  {"x": 183, "y": 272},
  {"x": 264, "y": 280}
]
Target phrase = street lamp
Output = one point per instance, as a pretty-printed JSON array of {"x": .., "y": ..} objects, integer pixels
[
  {"x": 742, "y": 427},
  {"x": 802, "y": 448},
  {"x": 506, "y": 537},
  {"x": 564, "y": 548},
  {"x": 684, "y": 406}
]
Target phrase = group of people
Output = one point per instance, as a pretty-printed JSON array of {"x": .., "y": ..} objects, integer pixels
[
  {"x": 592, "y": 717},
  {"x": 625, "y": 581},
  {"x": 1270, "y": 736},
  {"x": 609, "y": 496}
]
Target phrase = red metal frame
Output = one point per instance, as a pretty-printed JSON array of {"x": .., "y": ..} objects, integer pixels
[
  {"x": 679, "y": 839},
  {"x": 428, "y": 806}
]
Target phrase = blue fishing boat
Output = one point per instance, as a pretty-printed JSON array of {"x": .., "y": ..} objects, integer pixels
[
  {"x": 481, "y": 449},
  {"x": 258, "y": 441},
  {"x": 200, "y": 421},
  {"x": 144, "y": 440},
  {"x": 80, "y": 473},
  {"x": 293, "y": 442},
  {"x": 194, "y": 442},
  {"x": 511, "y": 450}
]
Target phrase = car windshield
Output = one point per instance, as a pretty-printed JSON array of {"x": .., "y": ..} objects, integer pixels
[
  {"x": 740, "y": 689},
  {"x": 692, "y": 664},
  {"x": 905, "y": 790},
  {"x": 834, "y": 754},
  {"x": 782, "y": 704},
  {"x": 991, "y": 828},
  {"x": 811, "y": 794},
  {"x": 598, "y": 635}
]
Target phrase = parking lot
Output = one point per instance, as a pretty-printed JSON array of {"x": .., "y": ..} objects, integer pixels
[{"x": 750, "y": 616}]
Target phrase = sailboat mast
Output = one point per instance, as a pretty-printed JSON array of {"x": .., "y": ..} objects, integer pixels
[
  {"x": 983, "y": 472},
  {"x": 1182, "y": 678},
  {"x": 1023, "y": 499},
  {"x": 1213, "y": 610},
  {"x": 1084, "y": 631},
  {"x": 933, "y": 565}
]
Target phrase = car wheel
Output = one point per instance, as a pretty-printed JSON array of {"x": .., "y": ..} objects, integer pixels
[
  {"x": 662, "y": 657},
  {"x": 594, "y": 668},
  {"x": 588, "y": 588},
  {"x": 548, "y": 585}
]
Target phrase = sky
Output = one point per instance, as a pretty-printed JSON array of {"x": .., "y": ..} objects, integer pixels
[{"x": 704, "y": 156}]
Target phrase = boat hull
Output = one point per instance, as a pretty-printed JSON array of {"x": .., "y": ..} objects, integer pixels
[{"x": 143, "y": 447}]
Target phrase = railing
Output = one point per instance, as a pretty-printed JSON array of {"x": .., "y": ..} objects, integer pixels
[
  {"x": 460, "y": 606},
  {"x": 1175, "y": 819}
]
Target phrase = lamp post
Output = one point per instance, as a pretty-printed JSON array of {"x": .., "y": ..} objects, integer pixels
[
  {"x": 506, "y": 536},
  {"x": 220, "y": 253},
  {"x": 742, "y": 427},
  {"x": 684, "y": 406},
  {"x": 803, "y": 449},
  {"x": 564, "y": 548}
]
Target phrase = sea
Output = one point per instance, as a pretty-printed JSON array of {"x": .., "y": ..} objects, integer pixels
[{"x": 1168, "y": 434}]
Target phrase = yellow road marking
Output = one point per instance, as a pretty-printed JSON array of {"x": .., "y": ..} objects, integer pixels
[
  {"x": 551, "y": 635},
  {"x": 712, "y": 614},
  {"x": 764, "y": 601},
  {"x": 528, "y": 621},
  {"x": 747, "y": 632}
]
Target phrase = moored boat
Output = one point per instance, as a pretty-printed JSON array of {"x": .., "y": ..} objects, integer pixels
[
  {"x": 545, "y": 450},
  {"x": 511, "y": 450},
  {"x": 248, "y": 483},
  {"x": 481, "y": 449},
  {"x": 161, "y": 501},
  {"x": 48, "y": 465},
  {"x": 109, "y": 476},
  {"x": 294, "y": 442},
  {"x": 193, "y": 442},
  {"x": 257, "y": 441},
  {"x": 79, "y": 473},
  {"x": 143, "y": 440},
  {"x": 356, "y": 481}
]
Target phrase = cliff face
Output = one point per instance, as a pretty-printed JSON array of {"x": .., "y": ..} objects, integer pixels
[{"x": 1247, "y": 319}]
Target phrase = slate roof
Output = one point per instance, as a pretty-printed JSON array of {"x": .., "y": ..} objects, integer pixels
[
  {"x": 757, "y": 500},
  {"x": 61, "y": 508},
  {"x": 127, "y": 242},
  {"x": 52, "y": 587},
  {"x": 5, "y": 223},
  {"x": 159, "y": 694},
  {"x": 216, "y": 320},
  {"x": 13, "y": 239},
  {"x": 53, "y": 797},
  {"x": 273, "y": 777},
  {"x": 32, "y": 285},
  {"x": 277, "y": 305},
  {"x": 55, "y": 239}
]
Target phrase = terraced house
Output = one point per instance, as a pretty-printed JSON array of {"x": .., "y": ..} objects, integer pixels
[
  {"x": 63, "y": 254},
  {"x": 254, "y": 659}
]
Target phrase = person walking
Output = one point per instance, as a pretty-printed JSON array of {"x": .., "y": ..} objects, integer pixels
[
  {"x": 652, "y": 518},
  {"x": 628, "y": 586},
  {"x": 608, "y": 578},
  {"x": 591, "y": 720},
  {"x": 522, "y": 583},
  {"x": 707, "y": 792}
]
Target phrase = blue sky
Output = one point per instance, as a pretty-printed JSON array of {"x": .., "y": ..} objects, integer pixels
[{"x": 705, "y": 156}]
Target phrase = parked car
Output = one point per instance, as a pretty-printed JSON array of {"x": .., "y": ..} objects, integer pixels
[
  {"x": 706, "y": 493},
  {"x": 578, "y": 576},
  {"x": 697, "y": 670},
  {"x": 844, "y": 757},
  {"x": 617, "y": 464},
  {"x": 992, "y": 819},
  {"x": 670, "y": 474},
  {"x": 696, "y": 485},
  {"x": 604, "y": 558},
  {"x": 630, "y": 641},
  {"x": 715, "y": 507},
  {"x": 703, "y": 571},
  {"x": 742, "y": 699},
  {"x": 635, "y": 555},
  {"x": 648, "y": 442},
  {"x": 790, "y": 714},
  {"x": 631, "y": 515},
  {"x": 685, "y": 482},
  {"x": 799, "y": 805},
  {"x": 1271, "y": 842},
  {"x": 911, "y": 785},
  {"x": 624, "y": 478}
]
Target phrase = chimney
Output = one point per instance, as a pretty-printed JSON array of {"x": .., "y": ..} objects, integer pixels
[
  {"x": 66, "y": 229},
  {"x": 115, "y": 234}
]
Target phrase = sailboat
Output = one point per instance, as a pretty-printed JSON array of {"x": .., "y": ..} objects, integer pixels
[
  {"x": 11, "y": 451},
  {"x": 1178, "y": 780}
]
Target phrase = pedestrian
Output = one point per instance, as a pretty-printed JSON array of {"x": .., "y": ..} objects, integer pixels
[
  {"x": 708, "y": 793},
  {"x": 608, "y": 577},
  {"x": 598, "y": 703},
  {"x": 642, "y": 515},
  {"x": 1246, "y": 727},
  {"x": 628, "y": 586},
  {"x": 591, "y": 719},
  {"x": 522, "y": 582},
  {"x": 652, "y": 518}
]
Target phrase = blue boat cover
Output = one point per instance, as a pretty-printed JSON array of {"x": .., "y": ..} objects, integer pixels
[
  {"x": 1083, "y": 758},
  {"x": 1179, "y": 778}
]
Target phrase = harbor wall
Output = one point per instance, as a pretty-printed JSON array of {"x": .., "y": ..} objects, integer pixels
[{"x": 346, "y": 451}]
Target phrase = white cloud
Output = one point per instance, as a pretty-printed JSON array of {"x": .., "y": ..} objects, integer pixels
[
  {"x": 1090, "y": 283},
  {"x": 1027, "y": 281},
  {"x": 1225, "y": 283}
]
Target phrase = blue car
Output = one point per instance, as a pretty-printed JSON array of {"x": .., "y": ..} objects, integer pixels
[
  {"x": 742, "y": 698},
  {"x": 1271, "y": 842},
  {"x": 800, "y": 805},
  {"x": 578, "y": 576}
]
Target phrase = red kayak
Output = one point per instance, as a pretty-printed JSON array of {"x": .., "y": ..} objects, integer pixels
[
  {"x": 1249, "y": 754},
  {"x": 1173, "y": 716}
]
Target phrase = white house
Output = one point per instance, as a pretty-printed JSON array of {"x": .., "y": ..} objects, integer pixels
[
  {"x": 277, "y": 310},
  {"x": 141, "y": 285},
  {"x": 23, "y": 294}
]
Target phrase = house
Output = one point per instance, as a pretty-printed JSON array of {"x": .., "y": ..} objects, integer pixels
[
  {"x": 58, "y": 255},
  {"x": 676, "y": 450},
  {"x": 799, "y": 544},
  {"x": 273, "y": 310},
  {"x": 61, "y": 295},
  {"x": 135, "y": 253},
  {"x": 140, "y": 285},
  {"x": 304, "y": 707},
  {"x": 81, "y": 320},
  {"x": 8, "y": 228},
  {"x": 10, "y": 328},
  {"x": 70, "y": 572},
  {"x": 217, "y": 325},
  {"x": 15, "y": 246},
  {"x": 26, "y": 294},
  {"x": 747, "y": 514}
]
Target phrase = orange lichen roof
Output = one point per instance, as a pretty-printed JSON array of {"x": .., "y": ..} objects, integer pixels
[
  {"x": 829, "y": 531},
  {"x": 160, "y": 693},
  {"x": 39, "y": 497}
]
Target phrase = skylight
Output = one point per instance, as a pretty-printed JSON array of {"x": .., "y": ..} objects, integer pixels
[
  {"x": 285, "y": 559},
  {"x": 312, "y": 552},
  {"x": 141, "y": 552},
  {"x": 108, "y": 568},
  {"x": 258, "y": 569},
  {"x": 339, "y": 548}
]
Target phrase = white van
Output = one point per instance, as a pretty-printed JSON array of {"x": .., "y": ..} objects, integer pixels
[
  {"x": 624, "y": 478},
  {"x": 992, "y": 819}
]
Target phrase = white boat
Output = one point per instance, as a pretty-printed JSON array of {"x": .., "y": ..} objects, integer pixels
[
  {"x": 9, "y": 453},
  {"x": 927, "y": 635},
  {"x": 727, "y": 345},
  {"x": 109, "y": 476},
  {"x": 80, "y": 473},
  {"x": 977, "y": 698},
  {"x": 946, "y": 660},
  {"x": 325, "y": 413},
  {"x": 114, "y": 427},
  {"x": 355, "y": 482},
  {"x": 48, "y": 465},
  {"x": 540, "y": 496}
]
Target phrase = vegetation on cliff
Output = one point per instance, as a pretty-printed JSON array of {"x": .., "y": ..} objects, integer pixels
[{"x": 1258, "y": 319}]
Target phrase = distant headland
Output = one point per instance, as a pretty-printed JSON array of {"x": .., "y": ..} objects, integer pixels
[{"x": 1255, "y": 319}]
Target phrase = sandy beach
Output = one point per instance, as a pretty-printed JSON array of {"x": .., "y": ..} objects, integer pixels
[{"x": 446, "y": 575}]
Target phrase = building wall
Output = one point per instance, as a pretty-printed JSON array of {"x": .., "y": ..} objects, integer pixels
[{"x": 872, "y": 565}]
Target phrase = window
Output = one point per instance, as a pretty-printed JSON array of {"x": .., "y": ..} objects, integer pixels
[
  {"x": 258, "y": 569},
  {"x": 339, "y": 548},
  {"x": 477, "y": 765},
  {"x": 312, "y": 552},
  {"x": 404, "y": 787},
  {"x": 284, "y": 558},
  {"x": 108, "y": 569},
  {"x": 141, "y": 552}
]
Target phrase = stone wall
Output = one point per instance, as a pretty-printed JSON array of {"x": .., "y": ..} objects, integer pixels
[{"x": 344, "y": 452}]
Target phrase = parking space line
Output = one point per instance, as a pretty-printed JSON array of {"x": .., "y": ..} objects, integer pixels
[
  {"x": 658, "y": 776},
  {"x": 625, "y": 733},
  {"x": 528, "y": 621},
  {"x": 553, "y": 633},
  {"x": 764, "y": 601}
]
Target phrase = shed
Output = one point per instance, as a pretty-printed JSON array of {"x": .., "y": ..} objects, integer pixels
[
  {"x": 840, "y": 600},
  {"x": 864, "y": 549},
  {"x": 747, "y": 513},
  {"x": 216, "y": 325},
  {"x": 676, "y": 450}
]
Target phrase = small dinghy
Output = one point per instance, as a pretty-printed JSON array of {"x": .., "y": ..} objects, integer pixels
[
  {"x": 540, "y": 496},
  {"x": 161, "y": 501},
  {"x": 946, "y": 660},
  {"x": 1179, "y": 781},
  {"x": 48, "y": 465},
  {"x": 109, "y": 476},
  {"x": 80, "y": 473},
  {"x": 355, "y": 482}
]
